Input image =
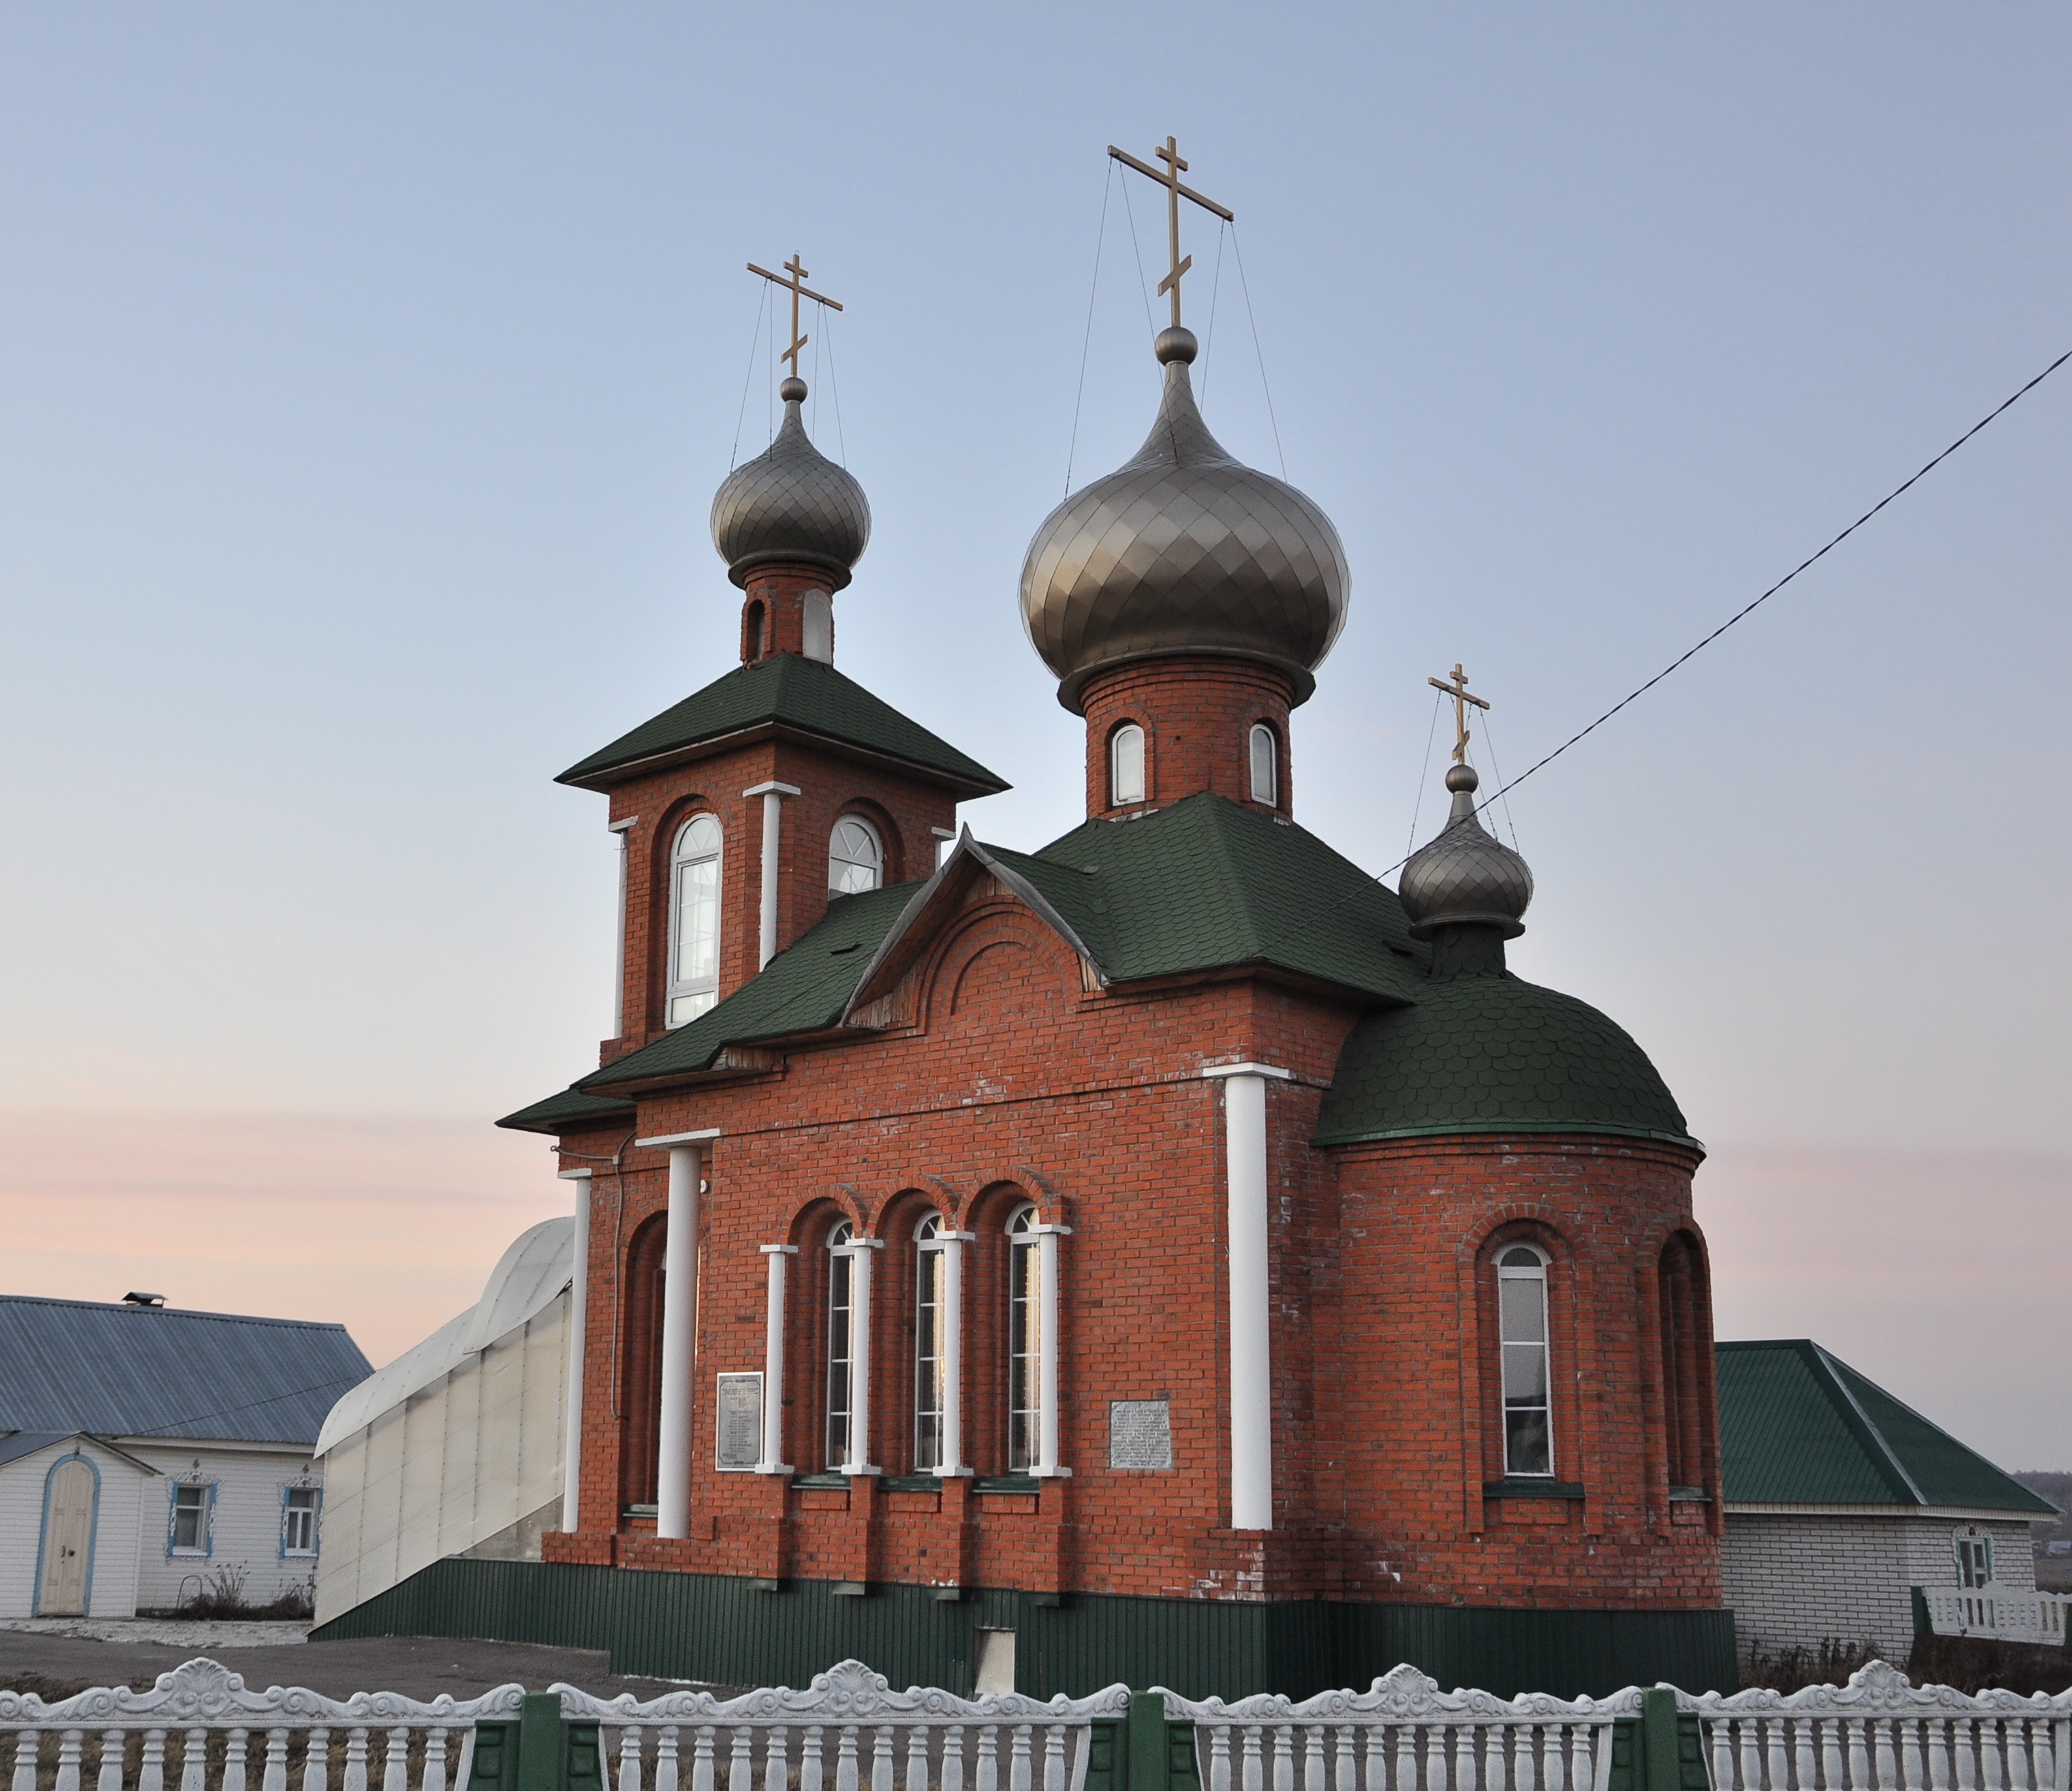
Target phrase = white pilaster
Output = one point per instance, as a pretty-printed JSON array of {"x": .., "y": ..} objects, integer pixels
[
  {"x": 578, "y": 1316},
  {"x": 621, "y": 828},
  {"x": 773, "y": 795},
  {"x": 952, "y": 1244},
  {"x": 859, "y": 1251},
  {"x": 1046, "y": 1237},
  {"x": 780, "y": 1257},
  {"x": 1250, "y": 1331},
  {"x": 680, "y": 1326}
]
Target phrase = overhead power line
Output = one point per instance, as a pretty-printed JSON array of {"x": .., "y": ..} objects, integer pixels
[{"x": 1740, "y": 615}]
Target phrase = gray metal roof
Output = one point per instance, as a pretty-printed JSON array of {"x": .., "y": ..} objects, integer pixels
[{"x": 141, "y": 1371}]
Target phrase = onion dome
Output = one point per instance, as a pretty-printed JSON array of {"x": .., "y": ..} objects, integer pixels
[
  {"x": 1183, "y": 550},
  {"x": 790, "y": 504},
  {"x": 1466, "y": 878}
]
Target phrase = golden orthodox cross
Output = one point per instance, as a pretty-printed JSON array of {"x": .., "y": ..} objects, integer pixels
[
  {"x": 792, "y": 279},
  {"x": 1456, "y": 687},
  {"x": 1169, "y": 153}
]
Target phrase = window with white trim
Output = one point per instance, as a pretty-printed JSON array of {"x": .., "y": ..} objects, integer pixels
[
  {"x": 1528, "y": 1431},
  {"x": 856, "y": 857},
  {"x": 188, "y": 1534},
  {"x": 818, "y": 618},
  {"x": 1975, "y": 1559},
  {"x": 930, "y": 1283},
  {"x": 841, "y": 1342},
  {"x": 1265, "y": 747},
  {"x": 1125, "y": 761},
  {"x": 694, "y": 868},
  {"x": 1025, "y": 1342},
  {"x": 298, "y": 1519}
]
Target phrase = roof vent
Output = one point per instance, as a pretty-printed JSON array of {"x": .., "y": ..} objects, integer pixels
[{"x": 143, "y": 1300}]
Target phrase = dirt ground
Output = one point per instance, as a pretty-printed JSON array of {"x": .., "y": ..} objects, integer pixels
[{"x": 418, "y": 1666}]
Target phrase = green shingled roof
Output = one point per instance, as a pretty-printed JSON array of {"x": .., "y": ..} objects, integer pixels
[
  {"x": 788, "y": 691},
  {"x": 1491, "y": 1053},
  {"x": 1799, "y": 1428},
  {"x": 567, "y": 1111},
  {"x": 1208, "y": 884},
  {"x": 800, "y": 990}
]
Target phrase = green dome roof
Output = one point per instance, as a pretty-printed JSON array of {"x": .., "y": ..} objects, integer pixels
[{"x": 1489, "y": 1053}]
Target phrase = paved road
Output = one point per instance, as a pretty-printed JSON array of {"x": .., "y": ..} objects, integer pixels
[{"x": 418, "y": 1666}]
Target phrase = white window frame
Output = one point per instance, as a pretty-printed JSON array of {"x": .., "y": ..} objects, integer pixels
[
  {"x": 875, "y": 870},
  {"x": 1260, "y": 732},
  {"x": 1032, "y": 1303},
  {"x": 291, "y": 1549},
  {"x": 203, "y": 1507},
  {"x": 932, "y": 1353},
  {"x": 816, "y": 617},
  {"x": 841, "y": 1347},
  {"x": 1968, "y": 1547},
  {"x": 1537, "y": 1273},
  {"x": 1126, "y": 782},
  {"x": 688, "y": 997}
]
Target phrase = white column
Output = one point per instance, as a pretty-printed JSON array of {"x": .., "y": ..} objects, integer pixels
[
  {"x": 1046, "y": 1237},
  {"x": 858, "y": 1251},
  {"x": 1251, "y": 1332},
  {"x": 779, "y": 1256},
  {"x": 680, "y": 1326},
  {"x": 621, "y": 828},
  {"x": 578, "y": 1316},
  {"x": 773, "y": 795},
  {"x": 952, "y": 1244}
]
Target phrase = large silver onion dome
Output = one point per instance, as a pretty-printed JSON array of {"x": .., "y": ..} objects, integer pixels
[
  {"x": 1465, "y": 877},
  {"x": 1183, "y": 550},
  {"x": 791, "y": 504}
]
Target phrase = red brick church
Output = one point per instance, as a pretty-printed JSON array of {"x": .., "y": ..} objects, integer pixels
[{"x": 1170, "y": 1248}]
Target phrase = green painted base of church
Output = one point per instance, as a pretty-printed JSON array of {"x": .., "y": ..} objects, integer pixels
[{"x": 733, "y": 1632}]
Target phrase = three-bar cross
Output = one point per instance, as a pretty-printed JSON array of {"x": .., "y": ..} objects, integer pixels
[
  {"x": 793, "y": 281},
  {"x": 1456, "y": 687},
  {"x": 1169, "y": 153}
]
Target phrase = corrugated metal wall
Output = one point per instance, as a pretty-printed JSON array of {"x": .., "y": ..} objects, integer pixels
[{"x": 691, "y": 1626}]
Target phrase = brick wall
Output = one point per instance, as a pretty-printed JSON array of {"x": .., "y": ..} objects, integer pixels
[{"x": 1196, "y": 715}]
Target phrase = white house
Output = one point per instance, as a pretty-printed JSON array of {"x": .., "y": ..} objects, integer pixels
[
  {"x": 149, "y": 1454},
  {"x": 455, "y": 1447},
  {"x": 1853, "y": 1518}
]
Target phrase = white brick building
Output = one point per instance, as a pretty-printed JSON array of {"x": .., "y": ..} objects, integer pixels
[{"x": 1847, "y": 1511}]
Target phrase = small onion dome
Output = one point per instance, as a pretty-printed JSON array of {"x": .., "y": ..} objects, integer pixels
[
  {"x": 1466, "y": 878},
  {"x": 790, "y": 504},
  {"x": 1183, "y": 550}
]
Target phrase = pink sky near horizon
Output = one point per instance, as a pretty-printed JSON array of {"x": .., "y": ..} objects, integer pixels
[{"x": 389, "y": 1225}]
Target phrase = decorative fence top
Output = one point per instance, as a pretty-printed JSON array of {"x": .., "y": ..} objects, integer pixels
[
  {"x": 1875, "y": 1690},
  {"x": 849, "y": 1693},
  {"x": 202, "y": 1694},
  {"x": 1404, "y": 1696}
]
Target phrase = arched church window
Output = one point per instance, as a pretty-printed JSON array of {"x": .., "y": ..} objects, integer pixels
[
  {"x": 1025, "y": 1342},
  {"x": 1265, "y": 765},
  {"x": 841, "y": 1343},
  {"x": 1125, "y": 754},
  {"x": 819, "y": 626},
  {"x": 753, "y": 643},
  {"x": 694, "y": 920},
  {"x": 856, "y": 857},
  {"x": 1521, "y": 1289},
  {"x": 1677, "y": 1284},
  {"x": 931, "y": 1310}
]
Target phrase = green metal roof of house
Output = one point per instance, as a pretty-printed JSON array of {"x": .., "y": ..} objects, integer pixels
[
  {"x": 1797, "y": 1427},
  {"x": 787, "y": 691}
]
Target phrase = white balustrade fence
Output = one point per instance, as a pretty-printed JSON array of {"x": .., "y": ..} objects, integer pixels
[
  {"x": 1881, "y": 1733},
  {"x": 849, "y": 1731},
  {"x": 1405, "y": 1735},
  {"x": 2030, "y": 1616},
  {"x": 200, "y": 1713}
]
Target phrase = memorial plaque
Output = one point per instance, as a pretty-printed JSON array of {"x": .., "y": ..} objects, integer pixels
[
  {"x": 738, "y": 1436},
  {"x": 1140, "y": 1434}
]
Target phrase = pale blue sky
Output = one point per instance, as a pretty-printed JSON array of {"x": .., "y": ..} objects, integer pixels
[{"x": 366, "y": 373}]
